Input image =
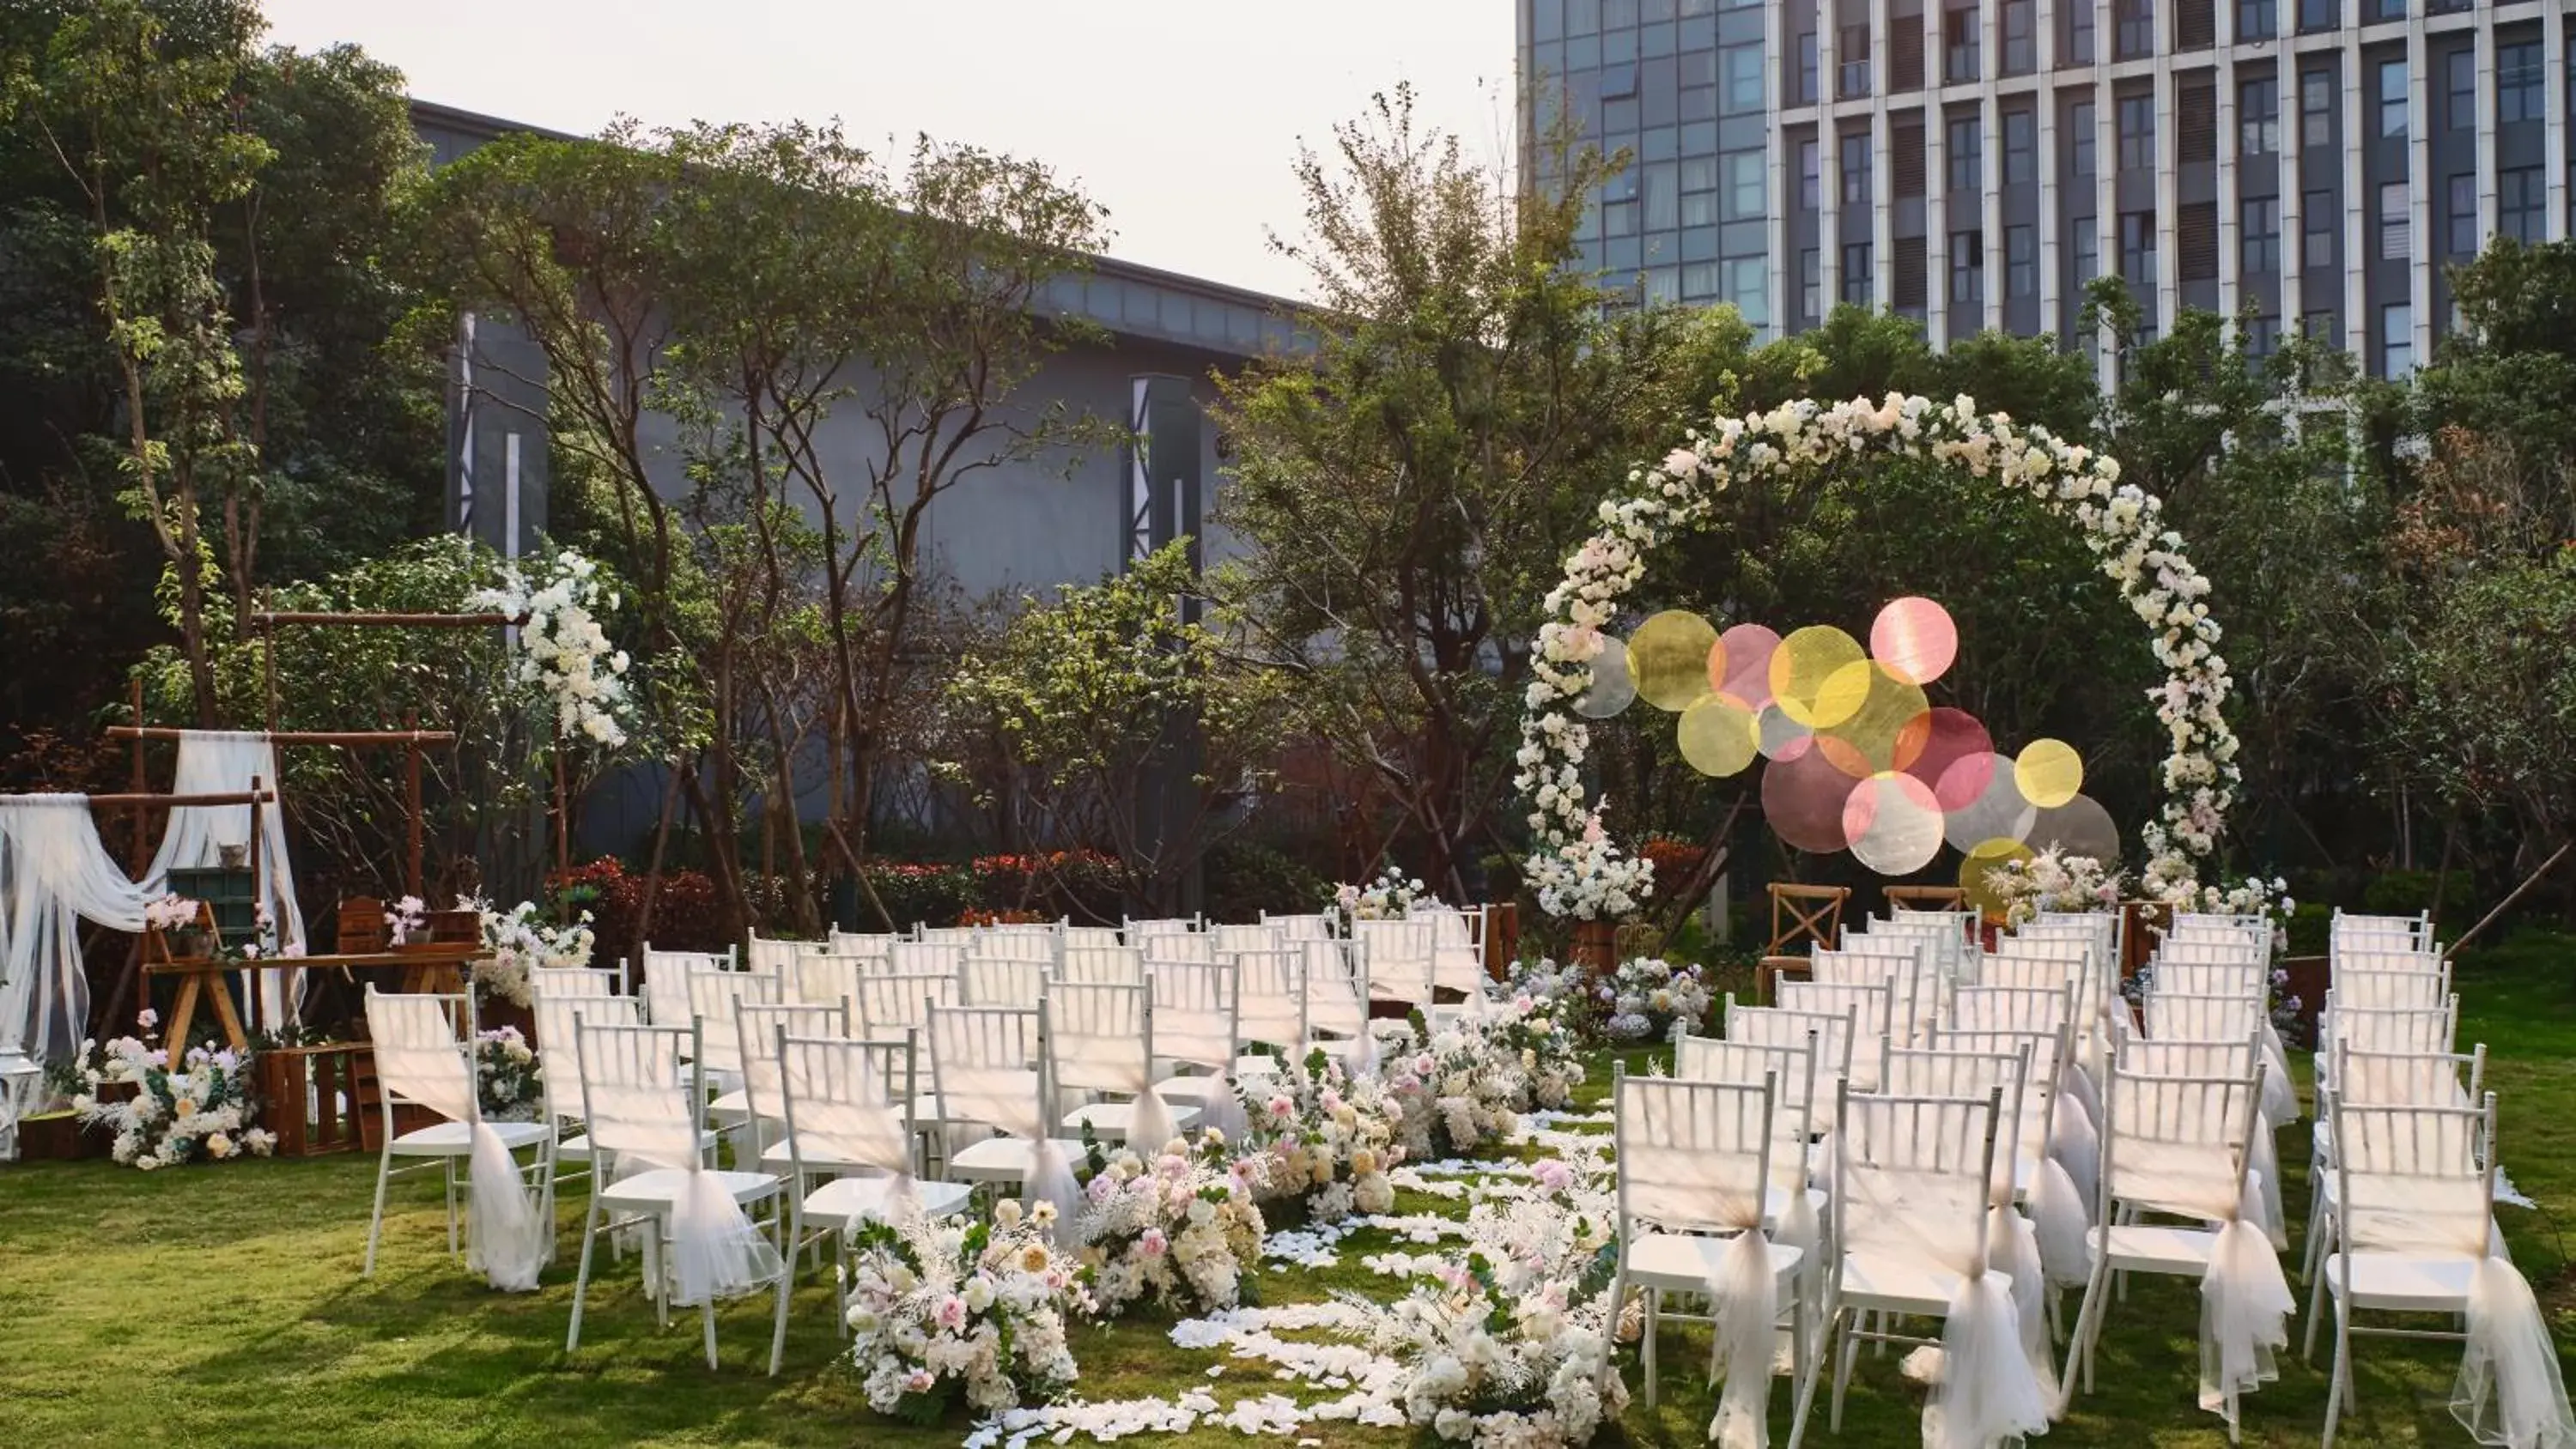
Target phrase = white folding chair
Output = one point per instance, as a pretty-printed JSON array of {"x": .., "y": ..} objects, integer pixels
[
  {"x": 1695, "y": 1164},
  {"x": 2185, "y": 1147},
  {"x": 420, "y": 1044},
  {"x": 1908, "y": 1226},
  {"x": 849, "y": 1121},
  {"x": 700, "y": 1243}
]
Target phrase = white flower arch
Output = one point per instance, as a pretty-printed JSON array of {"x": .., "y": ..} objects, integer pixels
[{"x": 1578, "y": 871}]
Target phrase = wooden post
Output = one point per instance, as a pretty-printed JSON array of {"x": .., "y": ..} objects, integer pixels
[
  {"x": 258, "y": 903},
  {"x": 268, "y": 663}
]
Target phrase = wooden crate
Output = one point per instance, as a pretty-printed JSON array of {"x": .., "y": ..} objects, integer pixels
[
  {"x": 58, "y": 1137},
  {"x": 362, "y": 928},
  {"x": 309, "y": 1097}
]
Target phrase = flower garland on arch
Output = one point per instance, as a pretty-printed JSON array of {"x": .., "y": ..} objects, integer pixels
[
  {"x": 563, "y": 649},
  {"x": 1579, "y": 871}
]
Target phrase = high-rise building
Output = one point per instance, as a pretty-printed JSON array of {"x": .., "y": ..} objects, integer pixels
[{"x": 1975, "y": 163}]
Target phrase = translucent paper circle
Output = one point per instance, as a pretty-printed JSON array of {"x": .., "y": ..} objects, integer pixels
[
  {"x": 1871, "y": 737},
  {"x": 1977, "y": 866},
  {"x": 2079, "y": 827},
  {"x": 1742, "y": 665},
  {"x": 2049, "y": 772},
  {"x": 1612, "y": 688},
  {"x": 1915, "y": 639},
  {"x": 1990, "y": 805},
  {"x": 1810, "y": 678},
  {"x": 1781, "y": 737},
  {"x": 1894, "y": 824},
  {"x": 1718, "y": 736},
  {"x": 1948, "y": 736},
  {"x": 1803, "y": 799},
  {"x": 1668, "y": 656}
]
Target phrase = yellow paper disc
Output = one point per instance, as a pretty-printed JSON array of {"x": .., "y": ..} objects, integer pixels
[
  {"x": 1810, "y": 676},
  {"x": 2048, "y": 772},
  {"x": 1668, "y": 657},
  {"x": 1718, "y": 736},
  {"x": 1872, "y": 736},
  {"x": 1979, "y": 863}
]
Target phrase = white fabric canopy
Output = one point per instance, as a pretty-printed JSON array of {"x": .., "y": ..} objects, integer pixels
[
  {"x": 54, "y": 874},
  {"x": 224, "y": 762}
]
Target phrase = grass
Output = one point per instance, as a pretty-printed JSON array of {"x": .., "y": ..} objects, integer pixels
[{"x": 223, "y": 1306}]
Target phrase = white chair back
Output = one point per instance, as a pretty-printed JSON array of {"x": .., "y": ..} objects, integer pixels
[
  {"x": 761, "y": 1025},
  {"x": 2041, "y": 1010},
  {"x": 666, "y": 981},
  {"x": 2391, "y": 1029},
  {"x": 865, "y": 946},
  {"x": 2205, "y": 1018},
  {"x": 1197, "y": 1013},
  {"x": 713, "y": 999},
  {"x": 1273, "y": 987},
  {"x": 1693, "y": 1155},
  {"x": 827, "y": 978},
  {"x": 888, "y": 1004},
  {"x": 1866, "y": 1006},
  {"x": 1187, "y": 947},
  {"x": 2392, "y": 990},
  {"x": 924, "y": 958},
  {"x": 1103, "y": 965},
  {"x": 1089, "y": 938},
  {"x": 639, "y": 1104},
  {"x": 848, "y": 1101},
  {"x": 1001, "y": 981},
  {"x": 561, "y": 1081},
  {"x": 1258, "y": 936},
  {"x": 419, "y": 1044},
  {"x": 1402, "y": 959}
]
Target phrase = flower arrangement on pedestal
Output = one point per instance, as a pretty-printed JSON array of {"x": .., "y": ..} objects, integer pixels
[
  {"x": 519, "y": 941},
  {"x": 199, "y": 1111},
  {"x": 1178, "y": 1229},
  {"x": 2053, "y": 881},
  {"x": 1578, "y": 872},
  {"x": 1509, "y": 1346},
  {"x": 944, "y": 1309},
  {"x": 508, "y": 1079},
  {"x": 1390, "y": 897},
  {"x": 1321, "y": 1137}
]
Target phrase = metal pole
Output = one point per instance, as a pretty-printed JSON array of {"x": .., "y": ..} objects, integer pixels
[{"x": 411, "y": 801}]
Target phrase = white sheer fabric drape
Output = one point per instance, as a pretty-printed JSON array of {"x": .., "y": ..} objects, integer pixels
[
  {"x": 1691, "y": 1157},
  {"x": 224, "y": 762},
  {"x": 1909, "y": 1187},
  {"x": 54, "y": 874},
  {"x": 642, "y": 1114},
  {"x": 2414, "y": 1190},
  {"x": 419, "y": 1057}
]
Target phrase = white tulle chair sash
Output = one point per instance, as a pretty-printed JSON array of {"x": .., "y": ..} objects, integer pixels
[
  {"x": 1102, "y": 1039},
  {"x": 1693, "y": 1158},
  {"x": 643, "y": 1115},
  {"x": 841, "y": 1108}
]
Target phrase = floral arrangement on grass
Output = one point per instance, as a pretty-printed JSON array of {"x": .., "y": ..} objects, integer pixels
[
  {"x": 943, "y": 1309},
  {"x": 563, "y": 649},
  {"x": 2053, "y": 881},
  {"x": 1647, "y": 996},
  {"x": 199, "y": 1112},
  {"x": 507, "y": 1076},
  {"x": 519, "y": 941},
  {"x": 1388, "y": 898},
  {"x": 1323, "y": 1138},
  {"x": 1464, "y": 1083},
  {"x": 1509, "y": 1344},
  {"x": 1178, "y": 1229}
]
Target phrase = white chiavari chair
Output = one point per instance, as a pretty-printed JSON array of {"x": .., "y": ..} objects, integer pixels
[
  {"x": 827, "y": 978},
  {"x": 1790, "y": 1208},
  {"x": 1198, "y": 1017},
  {"x": 1303, "y": 927},
  {"x": 864, "y": 945},
  {"x": 1179, "y": 947},
  {"x": 1401, "y": 958},
  {"x": 2392, "y": 990},
  {"x": 988, "y": 1069},
  {"x": 713, "y": 997},
  {"x": 554, "y": 1009},
  {"x": 1869, "y": 1009},
  {"x": 759, "y": 1024},
  {"x": 960, "y": 937},
  {"x": 2377, "y": 1079},
  {"x": 666, "y": 981},
  {"x": 1000, "y": 981},
  {"x": 1103, "y": 965},
  {"x": 924, "y": 958},
  {"x": 1084, "y": 938},
  {"x": 1834, "y": 1043},
  {"x": 1694, "y": 1168},
  {"x": 1273, "y": 986},
  {"x": 1256, "y": 936},
  {"x": 2390, "y": 1028},
  {"x": 423, "y": 1055},
  {"x": 1101, "y": 1039}
]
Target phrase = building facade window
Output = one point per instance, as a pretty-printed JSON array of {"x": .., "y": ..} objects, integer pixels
[
  {"x": 2392, "y": 221},
  {"x": 2260, "y": 231},
  {"x": 2317, "y": 224},
  {"x": 1968, "y": 268},
  {"x": 2080, "y": 122},
  {"x": 2138, "y": 246},
  {"x": 1740, "y": 186},
  {"x": 2522, "y": 204},
  {"x": 2137, "y": 117},
  {"x": 1748, "y": 286},
  {"x": 2258, "y": 117},
  {"x": 1853, "y": 167},
  {"x": 2021, "y": 50},
  {"x": 2255, "y": 19},
  {"x": 1810, "y": 283},
  {"x": 2079, "y": 33},
  {"x": 2387, "y": 9},
  {"x": 1739, "y": 80},
  {"x": 1851, "y": 62},
  {"x": 2136, "y": 20},
  {"x": 2392, "y": 98},
  {"x": 2021, "y": 262},
  {"x": 2021, "y": 147},
  {"x": 2461, "y": 203},
  {"x": 1966, "y": 151},
  {"x": 1856, "y": 278},
  {"x": 2396, "y": 340},
  {"x": 1810, "y": 178},
  {"x": 2087, "y": 245},
  {"x": 2262, "y": 338},
  {"x": 2460, "y": 89},
  {"x": 2520, "y": 95},
  {"x": 2316, "y": 109},
  {"x": 1806, "y": 91},
  {"x": 1958, "y": 45},
  {"x": 2315, "y": 15}
]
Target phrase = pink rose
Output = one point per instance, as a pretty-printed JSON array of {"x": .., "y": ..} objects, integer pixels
[{"x": 1153, "y": 1243}]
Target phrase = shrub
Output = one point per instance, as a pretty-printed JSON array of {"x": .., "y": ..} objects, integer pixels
[{"x": 684, "y": 910}]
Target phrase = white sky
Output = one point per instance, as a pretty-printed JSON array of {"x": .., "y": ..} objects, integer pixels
[{"x": 1180, "y": 116}]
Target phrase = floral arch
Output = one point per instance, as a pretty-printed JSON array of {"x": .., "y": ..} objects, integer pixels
[{"x": 1578, "y": 871}]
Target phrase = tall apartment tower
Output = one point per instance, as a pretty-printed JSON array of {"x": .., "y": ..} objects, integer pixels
[{"x": 1975, "y": 163}]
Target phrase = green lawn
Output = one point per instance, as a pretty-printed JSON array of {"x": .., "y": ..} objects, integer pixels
[{"x": 223, "y": 1306}]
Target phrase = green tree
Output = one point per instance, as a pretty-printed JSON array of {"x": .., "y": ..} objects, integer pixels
[
  {"x": 1123, "y": 725},
  {"x": 1405, "y": 489}
]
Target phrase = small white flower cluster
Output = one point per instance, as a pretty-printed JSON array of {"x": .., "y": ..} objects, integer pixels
[
  {"x": 201, "y": 1109},
  {"x": 1578, "y": 872},
  {"x": 940, "y": 1308},
  {"x": 1648, "y": 995},
  {"x": 170, "y": 913},
  {"x": 2053, "y": 881},
  {"x": 564, "y": 649},
  {"x": 520, "y": 942},
  {"x": 1388, "y": 898},
  {"x": 1320, "y": 1135},
  {"x": 409, "y": 914},
  {"x": 1178, "y": 1230},
  {"x": 1468, "y": 1081}
]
